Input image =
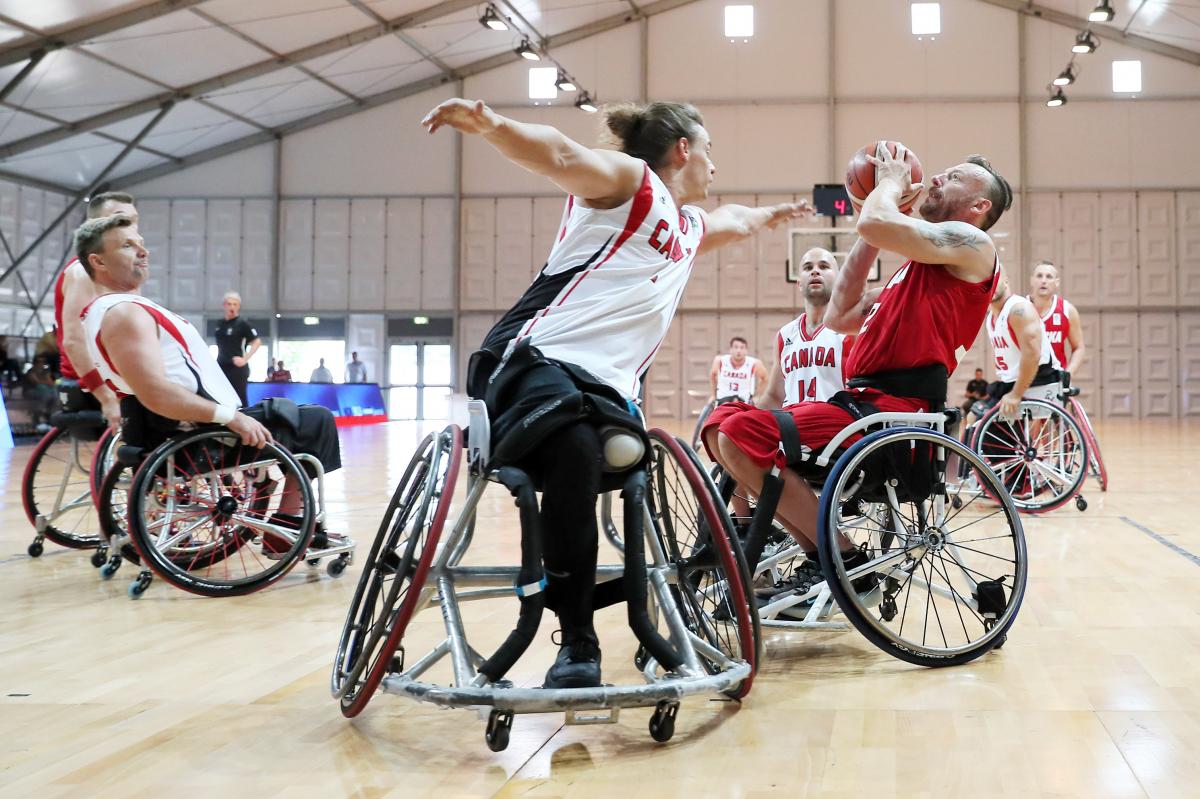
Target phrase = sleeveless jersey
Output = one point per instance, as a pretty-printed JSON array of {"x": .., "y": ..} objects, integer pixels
[
  {"x": 924, "y": 316},
  {"x": 1058, "y": 327},
  {"x": 185, "y": 354},
  {"x": 813, "y": 364},
  {"x": 608, "y": 291},
  {"x": 1005, "y": 347},
  {"x": 734, "y": 381},
  {"x": 64, "y": 360}
]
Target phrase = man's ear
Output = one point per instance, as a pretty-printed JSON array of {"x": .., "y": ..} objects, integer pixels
[
  {"x": 982, "y": 206},
  {"x": 683, "y": 150},
  {"x": 94, "y": 260}
]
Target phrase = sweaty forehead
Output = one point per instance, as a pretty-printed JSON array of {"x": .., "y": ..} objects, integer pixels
[{"x": 817, "y": 254}]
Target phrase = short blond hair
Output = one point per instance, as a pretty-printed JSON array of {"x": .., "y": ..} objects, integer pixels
[{"x": 232, "y": 295}]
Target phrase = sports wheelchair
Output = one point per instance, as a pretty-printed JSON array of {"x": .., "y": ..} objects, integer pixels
[
  {"x": 200, "y": 511},
  {"x": 683, "y": 581},
  {"x": 1095, "y": 459},
  {"x": 63, "y": 474},
  {"x": 1041, "y": 454},
  {"x": 938, "y": 583}
]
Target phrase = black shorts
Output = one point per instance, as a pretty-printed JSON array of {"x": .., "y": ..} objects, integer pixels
[{"x": 316, "y": 435}]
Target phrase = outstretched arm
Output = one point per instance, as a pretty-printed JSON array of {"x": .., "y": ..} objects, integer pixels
[
  {"x": 604, "y": 177},
  {"x": 850, "y": 300},
  {"x": 731, "y": 223}
]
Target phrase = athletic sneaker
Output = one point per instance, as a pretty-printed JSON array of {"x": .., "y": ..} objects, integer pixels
[
  {"x": 802, "y": 579},
  {"x": 577, "y": 664}
]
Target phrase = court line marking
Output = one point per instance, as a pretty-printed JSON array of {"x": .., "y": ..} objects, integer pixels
[{"x": 1193, "y": 557}]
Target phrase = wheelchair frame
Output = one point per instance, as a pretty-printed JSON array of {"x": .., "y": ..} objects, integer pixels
[{"x": 43, "y": 519}]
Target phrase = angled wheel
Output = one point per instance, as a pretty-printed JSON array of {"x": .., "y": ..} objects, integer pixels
[
  {"x": 393, "y": 582},
  {"x": 1040, "y": 454},
  {"x": 57, "y": 488},
  {"x": 205, "y": 513},
  {"x": 696, "y": 534},
  {"x": 1095, "y": 459},
  {"x": 930, "y": 584},
  {"x": 704, "y": 412}
]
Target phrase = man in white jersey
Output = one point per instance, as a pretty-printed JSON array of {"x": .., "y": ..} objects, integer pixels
[
  {"x": 1059, "y": 316},
  {"x": 147, "y": 352},
  {"x": 1025, "y": 363},
  {"x": 736, "y": 375},
  {"x": 596, "y": 314}
]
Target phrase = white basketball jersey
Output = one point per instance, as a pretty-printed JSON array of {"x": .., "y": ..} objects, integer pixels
[
  {"x": 608, "y": 291},
  {"x": 813, "y": 363},
  {"x": 736, "y": 381},
  {"x": 185, "y": 354},
  {"x": 1005, "y": 347}
]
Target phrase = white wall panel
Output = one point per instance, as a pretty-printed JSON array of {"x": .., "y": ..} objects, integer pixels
[
  {"x": 1118, "y": 355},
  {"x": 403, "y": 276},
  {"x": 296, "y": 254},
  {"x": 477, "y": 274},
  {"x": 258, "y": 235},
  {"x": 331, "y": 255},
  {"x": 154, "y": 223},
  {"x": 1189, "y": 364},
  {"x": 547, "y": 221},
  {"x": 700, "y": 343},
  {"x": 1118, "y": 249},
  {"x": 1156, "y": 248},
  {"x": 437, "y": 255},
  {"x": 514, "y": 249},
  {"x": 188, "y": 230},
  {"x": 1158, "y": 364},
  {"x": 368, "y": 231},
  {"x": 664, "y": 381},
  {"x": 1080, "y": 247},
  {"x": 472, "y": 327},
  {"x": 223, "y": 251},
  {"x": 736, "y": 262}
]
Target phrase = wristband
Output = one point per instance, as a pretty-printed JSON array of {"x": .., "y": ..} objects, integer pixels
[
  {"x": 91, "y": 381},
  {"x": 223, "y": 414}
]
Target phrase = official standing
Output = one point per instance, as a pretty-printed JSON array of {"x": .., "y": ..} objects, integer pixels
[{"x": 237, "y": 342}]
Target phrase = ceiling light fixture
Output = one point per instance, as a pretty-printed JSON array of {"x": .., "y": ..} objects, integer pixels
[
  {"x": 564, "y": 82},
  {"x": 491, "y": 19},
  {"x": 525, "y": 50},
  {"x": 1085, "y": 43},
  {"x": 1066, "y": 77},
  {"x": 586, "y": 103},
  {"x": 1056, "y": 99},
  {"x": 1102, "y": 13}
]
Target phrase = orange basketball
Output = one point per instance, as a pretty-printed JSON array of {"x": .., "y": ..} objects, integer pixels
[{"x": 860, "y": 176}]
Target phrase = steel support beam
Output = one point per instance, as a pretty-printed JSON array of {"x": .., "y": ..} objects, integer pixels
[
  {"x": 412, "y": 43},
  {"x": 17, "y": 79}
]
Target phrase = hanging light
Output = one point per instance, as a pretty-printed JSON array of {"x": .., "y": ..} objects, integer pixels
[
  {"x": 1102, "y": 13},
  {"x": 1057, "y": 99},
  {"x": 564, "y": 82},
  {"x": 1066, "y": 77},
  {"x": 585, "y": 103},
  {"x": 492, "y": 19},
  {"x": 525, "y": 50},
  {"x": 1085, "y": 43}
]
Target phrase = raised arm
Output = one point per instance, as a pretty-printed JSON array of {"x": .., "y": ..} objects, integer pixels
[
  {"x": 1027, "y": 328},
  {"x": 850, "y": 300},
  {"x": 1078, "y": 350},
  {"x": 605, "y": 178},
  {"x": 731, "y": 223},
  {"x": 964, "y": 249}
]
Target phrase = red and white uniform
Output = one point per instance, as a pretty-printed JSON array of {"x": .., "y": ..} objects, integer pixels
[
  {"x": 736, "y": 381},
  {"x": 813, "y": 363},
  {"x": 64, "y": 360},
  {"x": 608, "y": 291},
  {"x": 1058, "y": 327},
  {"x": 1005, "y": 346},
  {"x": 185, "y": 354}
]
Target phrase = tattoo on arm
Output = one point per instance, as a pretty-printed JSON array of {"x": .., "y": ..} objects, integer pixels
[{"x": 949, "y": 237}]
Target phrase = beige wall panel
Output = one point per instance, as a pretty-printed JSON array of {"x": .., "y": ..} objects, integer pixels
[
  {"x": 1007, "y": 238},
  {"x": 768, "y": 148},
  {"x": 737, "y": 264},
  {"x": 664, "y": 380},
  {"x": 979, "y": 356},
  {"x": 740, "y": 324},
  {"x": 514, "y": 249},
  {"x": 768, "y": 325},
  {"x": 331, "y": 255},
  {"x": 1090, "y": 376},
  {"x": 1189, "y": 364},
  {"x": 188, "y": 222},
  {"x": 472, "y": 328},
  {"x": 700, "y": 343},
  {"x": 368, "y": 234},
  {"x": 1118, "y": 359},
  {"x": 223, "y": 251},
  {"x": 477, "y": 280},
  {"x": 1156, "y": 248},
  {"x": 486, "y": 172},
  {"x": 402, "y": 279},
  {"x": 691, "y": 58},
  {"x": 1187, "y": 247},
  {"x": 771, "y": 254},
  {"x": 1045, "y": 227},
  {"x": 258, "y": 236},
  {"x": 1158, "y": 364},
  {"x": 296, "y": 253},
  {"x": 703, "y": 287},
  {"x": 437, "y": 254},
  {"x": 1118, "y": 248},
  {"x": 1080, "y": 249},
  {"x": 547, "y": 221}
]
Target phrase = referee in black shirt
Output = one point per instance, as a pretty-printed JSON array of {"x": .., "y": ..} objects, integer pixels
[{"x": 237, "y": 342}]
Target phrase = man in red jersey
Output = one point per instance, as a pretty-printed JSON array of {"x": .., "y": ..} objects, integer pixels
[
  {"x": 1060, "y": 317},
  {"x": 910, "y": 333},
  {"x": 72, "y": 292}
]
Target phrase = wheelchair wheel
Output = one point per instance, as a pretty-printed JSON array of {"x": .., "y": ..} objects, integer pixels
[
  {"x": 57, "y": 487},
  {"x": 1095, "y": 459},
  {"x": 704, "y": 413},
  {"x": 202, "y": 511},
  {"x": 113, "y": 509},
  {"x": 712, "y": 590},
  {"x": 392, "y": 586},
  {"x": 1040, "y": 455},
  {"x": 103, "y": 458},
  {"x": 935, "y": 585}
]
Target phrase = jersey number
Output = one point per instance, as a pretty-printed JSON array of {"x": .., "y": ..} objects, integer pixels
[
  {"x": 811, "y": 392},
  {"x": 735, "y": 386},
  {"x": 1000, "y": 362}
]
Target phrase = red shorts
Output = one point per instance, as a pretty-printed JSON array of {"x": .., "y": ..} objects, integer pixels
[{"x": 755, "y": 432}]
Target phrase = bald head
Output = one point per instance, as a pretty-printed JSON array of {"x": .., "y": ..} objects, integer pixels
[{"x": 818, "y": 267}]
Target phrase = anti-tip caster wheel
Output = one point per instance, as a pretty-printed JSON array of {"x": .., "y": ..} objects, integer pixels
[
  {"x": 139, "y": 585},
  {"x": 662, "y": 722},
  {"x": 35, "y": 549},
  {"x": 336, "y": 567},
  {"x": 99, "y": 557},
  {"x": 1080, "y": 503},
  {"x": 499, "y": 724},
  {"x": 110, "y": 568}
]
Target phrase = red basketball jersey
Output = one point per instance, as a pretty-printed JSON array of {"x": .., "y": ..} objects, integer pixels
[
  {"x": 64, "y": 360},
  {"x": 924, "y": 315},
  {"x": 1058, "y": 327}
]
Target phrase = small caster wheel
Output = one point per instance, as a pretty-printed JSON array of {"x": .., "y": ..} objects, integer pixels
[
  {"x": 888, "y": 609},
  {"x": 110, "y": 568},
  {"x": 1001, "y": 641},
  {"x": 336, "y": 567},
  {"x": 956, "y": 502},
  {"x": 499, "y": 724},
  {"x": 313, "y": 563},
  {"x": 139, "y": 585},
  {"x": 35, "y": 549},
  {"x": 1080, "y": 503},
  {"x": 99, "y": 557},
  {"x": 662, "y": 723}
]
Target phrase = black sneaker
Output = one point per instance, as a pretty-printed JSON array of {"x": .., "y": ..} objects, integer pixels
[
  {"x": 577, "y": 665},
  {"x": 802, "y": 579},
  {"x": 864, "y": 583}
]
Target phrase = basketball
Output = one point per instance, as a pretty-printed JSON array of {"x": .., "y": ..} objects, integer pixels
[{"x": 860, "y": 176}]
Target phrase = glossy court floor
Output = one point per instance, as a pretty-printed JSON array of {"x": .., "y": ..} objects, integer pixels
[{"x": 1095, "y": 695}]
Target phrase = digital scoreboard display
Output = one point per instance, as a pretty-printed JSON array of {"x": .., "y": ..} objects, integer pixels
[{"x": 832, "y": 199}]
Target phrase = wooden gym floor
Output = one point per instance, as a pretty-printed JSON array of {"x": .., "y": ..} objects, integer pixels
[{"x": 1095, "y": 695}]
